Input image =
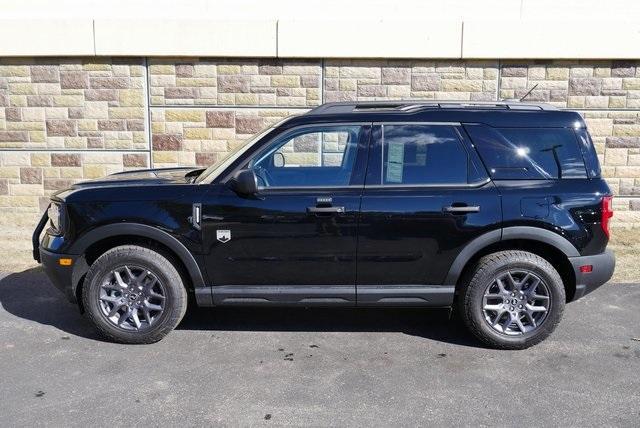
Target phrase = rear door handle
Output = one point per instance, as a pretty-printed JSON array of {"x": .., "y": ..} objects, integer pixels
[
  {"x": 462, "y": 209},
  {"x": 325, "y": 210}
]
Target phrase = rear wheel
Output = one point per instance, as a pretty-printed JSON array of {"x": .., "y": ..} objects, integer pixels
[
  {"x": 134, "y": 295},
  {"x": 512, "y": 299}
]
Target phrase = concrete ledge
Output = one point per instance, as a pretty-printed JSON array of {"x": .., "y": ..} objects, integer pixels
[
  {"x": 323, "y": 38},
  {"x": 186, "y": 37},
  {"x": 46, "y": 37},
  {"x": 369, "y": 39},
  {"x": 551, "y": 39}
]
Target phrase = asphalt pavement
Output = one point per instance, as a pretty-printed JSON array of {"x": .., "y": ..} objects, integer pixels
[{"x": 319, "y": 367}]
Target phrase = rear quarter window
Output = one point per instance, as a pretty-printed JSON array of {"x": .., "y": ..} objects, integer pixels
[
  {"x": 529, "y": 153},
  {"x": 589, "y": 153}
]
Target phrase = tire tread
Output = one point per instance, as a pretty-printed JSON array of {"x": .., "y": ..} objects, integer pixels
[
  {"x": 491, "y": 263},
  {"x": 167, "y": 264}
]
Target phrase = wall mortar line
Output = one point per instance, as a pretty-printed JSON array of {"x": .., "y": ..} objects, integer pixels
[
  {"x": 322, "y": 73},
  {"x": 228, "y": 106},
  {"x": 147, "y": 116},
  {"x": 69, "y": 150},
  {"x": 93, "y": 25},
  {"x": 499, "y": 85},
  {"x": 462, "y": 40}
]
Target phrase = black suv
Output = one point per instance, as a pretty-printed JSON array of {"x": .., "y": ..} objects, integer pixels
[{"x": 496, "y": 209}]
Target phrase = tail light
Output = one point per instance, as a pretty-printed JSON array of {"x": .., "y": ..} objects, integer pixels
[{"x": 607, "y": 213}]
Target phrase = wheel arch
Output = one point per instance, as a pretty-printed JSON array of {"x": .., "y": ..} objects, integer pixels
[
  {"x": 548, "y": 245},
  {"x": 98, "y": 240}
]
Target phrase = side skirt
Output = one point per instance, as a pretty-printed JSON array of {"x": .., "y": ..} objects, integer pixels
[
  {"x": 435, "y": 296},
  {"x": 367, "y": 295}
]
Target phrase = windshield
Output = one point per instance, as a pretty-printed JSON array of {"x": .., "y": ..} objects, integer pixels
[{"x": 212, "y": 172}]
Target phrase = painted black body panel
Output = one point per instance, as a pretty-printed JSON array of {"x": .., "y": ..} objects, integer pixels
[
  {"x": 569, "y": 208},
  {"x": 406, "y": 237},
  {"x": 275, "y": 241}
]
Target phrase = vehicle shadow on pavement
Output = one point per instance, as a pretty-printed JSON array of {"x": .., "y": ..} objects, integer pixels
[
  {"x": 29, "y": 295},
  {"x": 434, "y": 324}
]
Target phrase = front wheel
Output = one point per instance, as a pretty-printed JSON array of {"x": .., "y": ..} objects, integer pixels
[
  {"x": 134, "y": 295},
  {"x": 512, "y": 300}
]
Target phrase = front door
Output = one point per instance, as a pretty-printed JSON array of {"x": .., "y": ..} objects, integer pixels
[
  {"x": 425, "y": 198},
  {"x": 295, "y": 241}
]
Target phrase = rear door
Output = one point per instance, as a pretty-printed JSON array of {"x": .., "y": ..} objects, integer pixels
[{"x": 426, "y": 196}]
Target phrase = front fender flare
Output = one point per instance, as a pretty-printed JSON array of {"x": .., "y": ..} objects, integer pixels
[{"x": 143, "y": 231}]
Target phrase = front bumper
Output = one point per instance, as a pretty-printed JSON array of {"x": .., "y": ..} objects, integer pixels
[
  {"x": 61, "y": 276},
  {"x": 603, "y": 266},
  {"x": 65, "y": 277}
]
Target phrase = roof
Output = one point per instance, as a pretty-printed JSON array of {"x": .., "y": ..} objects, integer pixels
[
  {"x": 514, "y": 114},
  {"x": 411, "y": 106}
]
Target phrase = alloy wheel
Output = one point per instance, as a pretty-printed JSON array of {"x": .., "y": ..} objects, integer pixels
[
  {"x": 516, "y": 302},
  {"x": 132, "y": 297}
]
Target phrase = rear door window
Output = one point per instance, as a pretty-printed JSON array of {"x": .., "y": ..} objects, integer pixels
[
  {"x": 422, "y": 155},
  {"x": 529, "y": 153}
]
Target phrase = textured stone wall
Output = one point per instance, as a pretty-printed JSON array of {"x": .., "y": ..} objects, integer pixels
[
  {"x": 64, "y": 120},
  {"x": 377, "y": 80},
  {"x": 201, "y": 136},
  {"x": 237, "y": 83},
  {"x": 69, "y": 119}
]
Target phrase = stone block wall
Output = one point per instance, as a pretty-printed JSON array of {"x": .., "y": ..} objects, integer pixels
[{"x": 68, "y": 119}]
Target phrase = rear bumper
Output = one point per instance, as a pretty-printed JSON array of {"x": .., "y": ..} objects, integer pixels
[{"x": 603, "y": 267}]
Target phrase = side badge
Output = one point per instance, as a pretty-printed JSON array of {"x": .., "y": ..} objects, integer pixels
[{"x": 223, "y": 235}]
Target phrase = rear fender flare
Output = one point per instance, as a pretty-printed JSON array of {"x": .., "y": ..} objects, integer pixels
[{"x": 508, "y": 233}]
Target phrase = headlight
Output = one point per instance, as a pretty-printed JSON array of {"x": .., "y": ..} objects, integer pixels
[{"x": 55, "y": 214}]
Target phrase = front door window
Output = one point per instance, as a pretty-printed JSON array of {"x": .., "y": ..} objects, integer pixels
[{"x": 315, "y": 156}]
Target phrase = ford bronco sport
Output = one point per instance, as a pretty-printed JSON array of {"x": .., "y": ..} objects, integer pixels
[{"x": 495, "y": 209}]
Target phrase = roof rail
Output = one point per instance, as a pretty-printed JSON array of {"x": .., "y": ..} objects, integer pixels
[{"x": 417, "y": 105}]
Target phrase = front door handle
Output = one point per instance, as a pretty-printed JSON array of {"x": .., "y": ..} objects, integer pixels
[
  {"x": 325, "y": 210},
  {"x": 463, "y": 209}
]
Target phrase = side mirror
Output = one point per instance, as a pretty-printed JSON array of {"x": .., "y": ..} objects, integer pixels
[
  {"x": 244, "y": 182},
  {"x": 278, "y": 160}
]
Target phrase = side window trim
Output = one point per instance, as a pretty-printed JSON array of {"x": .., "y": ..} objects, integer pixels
[
  {"x": 361, "y": 146},
  {"x": 378, "y": 140},
  {"x": 474, "y": 158}
]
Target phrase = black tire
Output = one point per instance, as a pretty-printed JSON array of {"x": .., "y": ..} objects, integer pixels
[
  {"x": 162, "y": 267},
  {"x": 470, "y": 299}
]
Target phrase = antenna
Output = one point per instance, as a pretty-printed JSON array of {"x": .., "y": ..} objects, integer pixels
[{"x": 529, "y": 92}]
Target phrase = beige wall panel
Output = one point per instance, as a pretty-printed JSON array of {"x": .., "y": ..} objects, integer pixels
[
  {"x": 551, "y": 39},
  {"x": 192, "y": 37},
  {"x": 354, "y": 38},
  {"x": 46, "y": 37}
]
